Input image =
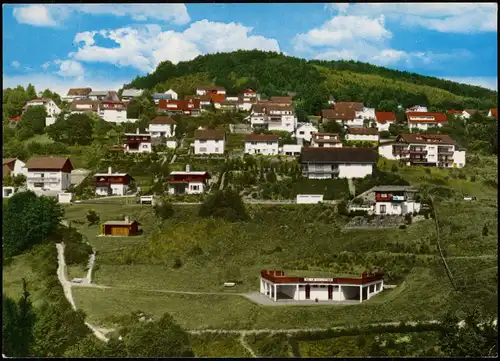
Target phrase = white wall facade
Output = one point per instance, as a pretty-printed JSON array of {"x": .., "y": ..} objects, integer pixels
[
  {"x": 114, "y": 115},
  {"x": 245, "y": 106},
  {"x": 397, "y": 208},
  {"x": 115, "y": 189},
  {"x": 309, "y": 198},
  {"x": 158, "y": 130},
  {"x": 172, "y": 144},
  {"x": 291, "y": 149},
  {"x": 191, "y": 188},
  {"x": 366, "y": 113},
  {"x": 305, "y": 131},
  {"x": 357, "y": 122},
  {"x": 385, "y": 150},
  {"x": 260, "y": 147},
  {"x": 209, "y": 146},
  {"x": 19, "y": 168},
  {"x": 362, "y": 137},
  {"x": 384, "y": 127},
  {"x": 51, "y": 180},
  {"x": 350, "y": 171},
  {"x": 144, "y": 147},
  {"x": 459, "y": 158},
  {"x": 172, "y": 93}
]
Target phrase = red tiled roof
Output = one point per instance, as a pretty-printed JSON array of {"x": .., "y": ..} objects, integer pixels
[
  {"x": 344, "y": 106},
  {"x": 209, "y": 134},
  {"x": 417, "y": 138},
  {"x": 384, "y": 117},
  {"x": 217, "y": 98},
  {"x": 347, "y": 114},
  {"x": 362, "y": 131},
  {"x": 16, "y": 118},
  {"x": 454, "y": 112},
  {"x": 494, "y": 112},
  {"x": 48, "y": 163},
  {"x": 181, "y": 104},
  {"x": 162, "y": 119},
  {"x": 79, "y": 91},
  {"x": 438, "y": 117},
  {"x": 253, "y": 137}
]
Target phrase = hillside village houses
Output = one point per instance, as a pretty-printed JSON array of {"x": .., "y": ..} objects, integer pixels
[
  {"x": 362, "y": 134},
  {"x": 424, "y": 149},
  {"x": 350, "y": 114},
  {"x": 266, "y": 144},
  {"x": 388, "y": 200},
  {"x": 107, "y": 184},
  {"x": 345, "y": 162},
  {"x": 273, "y": 116},
  {"x": 48, "y": 173},
  {"x": 304, "y": 131},
  {"x": 113, "y": 111},
  {"x": 424, "y": 120},
  {"x": 325, "y": 140},
  {"x": 209, "y": 141},
  {"x": 13, "y": 167},
  {"x": 137, "y": 142},
  {"x": 210, "y": 89},
  {"x": 162, "y": 126},
  {"x": 100, "y": 95},
  {"x": 129, "y": 94},
  {"x": 384, "y": 120},
  {"x": 171, "y": 107},
  {"x": 80, "y": 106},
  {"x": 188, "y": 182},
  {"x": 417, "y": 108},
  {"x": 77, "y": 94},
  {"x": 50, "y": 107}
]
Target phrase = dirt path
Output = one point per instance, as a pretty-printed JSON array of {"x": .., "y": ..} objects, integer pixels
[
  {"x": 352, "y": 189},
  {"x": 247, "y": 347},
  {"x": 221, "y": 186},
  {"x": 66, "y": 285}
]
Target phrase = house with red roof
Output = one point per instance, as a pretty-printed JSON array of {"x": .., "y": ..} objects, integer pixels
[
  {"x": 384, "y": 120},
  {"x": 172, "y": 107},
  {"x": 425, "y": 120}
]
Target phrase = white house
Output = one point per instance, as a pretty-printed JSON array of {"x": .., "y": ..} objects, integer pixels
[
  {"x": 13, "y": 167},
  {"x": 325, "y": 140},
  {"x": 327, "y": 163},
  {"x": 266, "y": 144},
  {"x": 129, "y": 94},
  {"x": 107, "y": 184},
  {"x": 345, "y": 117},
  {"x": 366, "y": 113},
  {"x": 384, "y": 120},
  {"x": 172, "y": 93},
  {"x": 417, "y": 108},
  {"x": 188, "y": 182},
  {"x": 113, "y": 112},
  {"x": 249, "y": 93},
  {"x": 209, "y": 141},
  {"x": 362, "y": 134},
  {"x": 137, "y": 142},
  {"x": 424, "y": 120},
  {"x": 278, "y": 287},
  {"x": 424, "y": 149},
  {"x": 395, "y": 200},
  {"x": 50, "y": 107},
  {"x": 210, "y": 89},
  {"x": 77, "y": 94},
  {"x": 162, "y": 126},
  {"x": 291, "y": 149},
  {"x": 305, "y": 131},
  {"x": 48, "y": 173},
  {"x": 273, "y": 117}
]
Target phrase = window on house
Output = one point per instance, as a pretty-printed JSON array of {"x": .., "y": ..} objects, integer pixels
[
  {"x": 38, "y": 185},
  {"x": 394, "y": 206},
  {"x": 301, "y": 133},
  {"x": 383, "y": 208},
  {"x": 203, "y": 150},
  {"x": 269, "y": 143},
  {"x": 202, "y": 141},
  {"x": 195, "y": 188},
  {"x": 217, "y": 150},
  {"x": 144, "y": 146}
]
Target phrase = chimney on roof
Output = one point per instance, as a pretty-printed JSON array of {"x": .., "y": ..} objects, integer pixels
[
  {"x": 137, "y": 131},
  {"x": 109, "y": 170},
  {"x": 188, "y": 168}
]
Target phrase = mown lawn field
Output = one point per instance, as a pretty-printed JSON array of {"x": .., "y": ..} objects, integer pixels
[{"x": 217, "y": 345}]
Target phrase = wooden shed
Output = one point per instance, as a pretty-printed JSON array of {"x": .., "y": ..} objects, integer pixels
[{"x": 120, "y": 228}]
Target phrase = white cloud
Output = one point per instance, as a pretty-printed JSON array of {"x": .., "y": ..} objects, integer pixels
[
  {"x": 442, "y": 17},
  {"x": 15, "y": 64},
  {"x": 483, "y": 81},
  {"x": 45, "y": 65},
  {"x": 54, "y": 15},
  {"x": 59, "y": 84},
  {"x": 69, "y": 68},
  {"x": 146, "y": 46}
]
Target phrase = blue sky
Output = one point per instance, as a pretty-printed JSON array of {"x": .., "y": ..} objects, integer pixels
[{"x": 105, "y": 45}]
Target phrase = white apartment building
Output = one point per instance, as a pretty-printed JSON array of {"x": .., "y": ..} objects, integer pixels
[
  {"x": 162, "y": 126},
  {"x": 325, "y": 140},
  {"x": 425, "y": 120},
  {"x": 384, "y": 120},
  {"x": 291, "y": 149},
  {"x": 327, "y": 163},
  {"x": 113, "y": 112},
  {"x": 273, "y": 117},
  {"x": 50, "y": 107},
  {"x": 305, "y": 131},
  {"x": 266, "y": 144},
  {"x": 209, "y": 141},
  {"x": 48, "y": 173},
  {"x": 137, "y": 142},
  {"x": 107, "y": 184},
  {"x": 424, "y": 149},
  {"x": 362, "y": 134}
]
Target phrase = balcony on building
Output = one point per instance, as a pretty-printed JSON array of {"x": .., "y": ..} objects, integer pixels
[{"x": 418, "y": 150}]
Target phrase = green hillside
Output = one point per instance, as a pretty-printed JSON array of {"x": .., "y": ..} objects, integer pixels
[{"x": 313, "y": 81}]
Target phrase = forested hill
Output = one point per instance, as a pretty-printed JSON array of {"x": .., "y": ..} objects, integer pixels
[{"x": 313, "y": 81}]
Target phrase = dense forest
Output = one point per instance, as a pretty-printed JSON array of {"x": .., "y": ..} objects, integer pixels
[{"x": 312, "y": 82}]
